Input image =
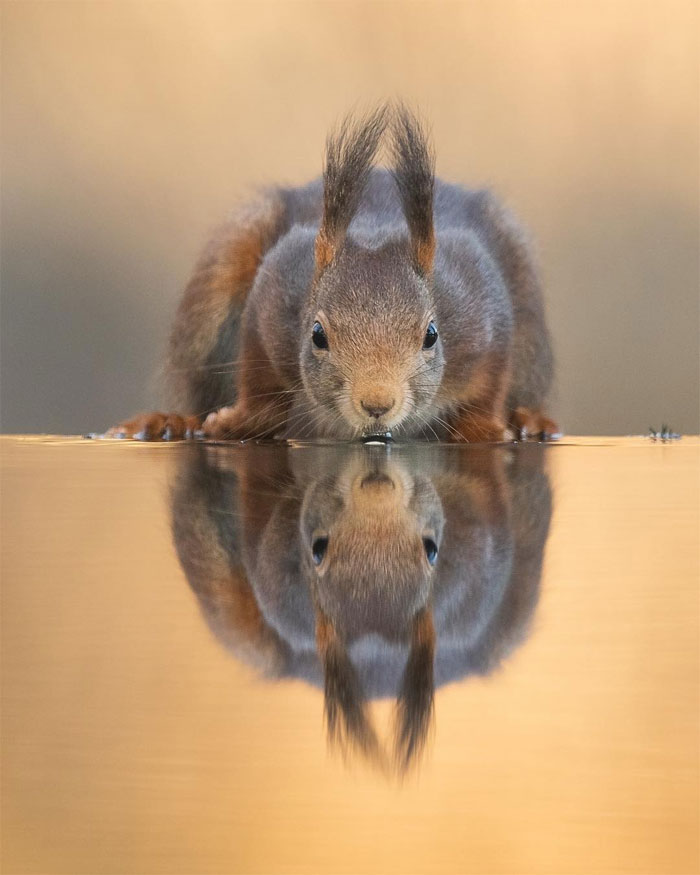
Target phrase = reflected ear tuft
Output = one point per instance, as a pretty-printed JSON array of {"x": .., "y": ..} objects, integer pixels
[
  {"x": 346, "y": 717},
  {"x": 415, "y": 703}
]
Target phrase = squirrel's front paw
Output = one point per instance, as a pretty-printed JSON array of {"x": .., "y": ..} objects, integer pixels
[
  {"x": 225, "y": 424},
  {"x": 156, "y": 427},
  {"x": 527, "y": 423}
]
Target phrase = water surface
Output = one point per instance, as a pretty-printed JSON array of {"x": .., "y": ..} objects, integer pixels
[{"x": 350, "y": 659}]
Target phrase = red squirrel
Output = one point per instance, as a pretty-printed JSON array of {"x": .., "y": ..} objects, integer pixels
[{"x": 367, "y": 302}]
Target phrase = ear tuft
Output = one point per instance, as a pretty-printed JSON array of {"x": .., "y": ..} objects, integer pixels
[
  {"x": 350, "y": 152},
  {"x": 414, "y": 172}
]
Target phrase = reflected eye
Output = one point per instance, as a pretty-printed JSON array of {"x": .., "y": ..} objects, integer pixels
[
  {"x": 431, "y": 550},
  {"x": 318, "y": 336},
  {"x": 431, "y": 336},
  {"x": 318, "y": 550}
]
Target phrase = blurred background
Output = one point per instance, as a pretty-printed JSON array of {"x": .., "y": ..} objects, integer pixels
[{"x": 130, "y": 128}]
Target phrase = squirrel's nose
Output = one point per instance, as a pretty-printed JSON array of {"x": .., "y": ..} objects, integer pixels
[{"x": 377, "y": 410}]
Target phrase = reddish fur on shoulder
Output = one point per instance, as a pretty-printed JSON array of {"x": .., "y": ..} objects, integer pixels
[
  {"x": 221, "y": 282},
  {"x": 480, "y": 416}
]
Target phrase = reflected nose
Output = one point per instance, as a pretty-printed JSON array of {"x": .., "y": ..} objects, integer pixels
[{"x": 376, "y": 409}]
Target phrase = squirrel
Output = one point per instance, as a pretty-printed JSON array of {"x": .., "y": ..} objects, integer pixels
[
  {"x": 367, "y": 302},
  {"x": 366, "y": 573}
]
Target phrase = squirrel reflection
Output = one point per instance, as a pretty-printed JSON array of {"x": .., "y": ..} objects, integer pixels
[{"x": 371, "y": 572}]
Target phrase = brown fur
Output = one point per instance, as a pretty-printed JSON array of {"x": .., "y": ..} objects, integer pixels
[
  {"x": 532, "y": 423},
  {"x": 324, "y": 251},
  {"x": 219, "y": 287},
  {"x": 425, "y": 254}
]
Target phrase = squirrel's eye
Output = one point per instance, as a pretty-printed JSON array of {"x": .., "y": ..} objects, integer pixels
[
  {"x": 431, "y": 550},
  {"x": 318, "y": 336},
  {"x": 318, "y": 550},
  {"x": 431, "y": 336}
]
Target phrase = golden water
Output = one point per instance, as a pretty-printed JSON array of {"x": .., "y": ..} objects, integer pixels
[{"x": 163, "y": 701}]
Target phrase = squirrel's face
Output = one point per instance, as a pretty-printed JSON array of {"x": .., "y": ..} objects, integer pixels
[
  {"x": 371, "y": 352},
  {"x": 371, "y": 536}
]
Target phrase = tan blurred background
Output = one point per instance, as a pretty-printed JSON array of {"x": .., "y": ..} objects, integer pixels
[{"x": 129, "y": 129}]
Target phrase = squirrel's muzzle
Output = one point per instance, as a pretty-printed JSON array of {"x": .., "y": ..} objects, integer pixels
[{"x": 375, "y": 402}]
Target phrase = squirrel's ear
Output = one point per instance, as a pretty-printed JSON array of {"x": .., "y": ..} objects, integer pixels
[
  {"x": 346, "y": 716},
  {"x": 350, "y": 151},
  {"x": 415, "y": 703},
  {"x": 414, "y": 172}
]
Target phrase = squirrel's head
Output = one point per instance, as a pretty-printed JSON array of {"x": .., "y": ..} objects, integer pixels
[{"x": 371, "y": 352}]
